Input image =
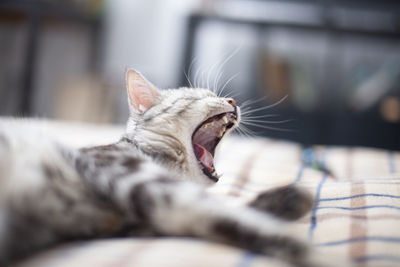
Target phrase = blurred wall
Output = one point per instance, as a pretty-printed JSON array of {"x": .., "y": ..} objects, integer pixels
[
  {"x": 143, "y": 34},
  {"x": 148, "y": 36}
]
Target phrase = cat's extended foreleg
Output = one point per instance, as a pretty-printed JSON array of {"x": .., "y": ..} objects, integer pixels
[
  {"x": 177, "y": 208},
  {"x": 150, "y": 198}
]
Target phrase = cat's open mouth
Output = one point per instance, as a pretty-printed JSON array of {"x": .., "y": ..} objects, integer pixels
[{"x": 206, "y": 138}]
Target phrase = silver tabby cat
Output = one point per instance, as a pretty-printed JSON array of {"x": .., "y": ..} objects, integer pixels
[{"x": 150, "y": 182}]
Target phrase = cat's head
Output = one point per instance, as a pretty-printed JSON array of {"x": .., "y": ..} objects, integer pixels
[{"x": 180, "y": 128}]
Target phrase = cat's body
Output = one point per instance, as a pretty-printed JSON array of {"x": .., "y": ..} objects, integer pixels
[{"x": 142, "y": 184}]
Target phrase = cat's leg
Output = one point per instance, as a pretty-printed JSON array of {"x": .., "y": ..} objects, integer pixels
[
  {"x": 176, "y": 208},
  {"x": 287, "y": 202},
  {"x": 149, "y": 197}
]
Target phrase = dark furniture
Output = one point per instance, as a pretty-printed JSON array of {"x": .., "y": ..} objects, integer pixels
[
  {"x": 35, "y": 13},
  {"x": 331, "y": 121}
]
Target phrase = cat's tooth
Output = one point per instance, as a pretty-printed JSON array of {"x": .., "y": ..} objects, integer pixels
[
  {"x": 221, "y": 132},
  {"x": 206, "y": 125},
  {"x": 225, "y": 119}
]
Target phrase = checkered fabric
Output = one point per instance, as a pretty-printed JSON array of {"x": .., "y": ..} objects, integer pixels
[{"x": 356, "y": 210}]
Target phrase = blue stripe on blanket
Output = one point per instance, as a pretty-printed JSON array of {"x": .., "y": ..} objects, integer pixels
[
  {"x": 299, "y": 174},
  {"x": 360, "y": 195},
  {"x": 362, "y": 208},
  {"x": 378, "y": 257},
  {"x": 361, "y": 239},
  {"x": 313, "y": 223}
]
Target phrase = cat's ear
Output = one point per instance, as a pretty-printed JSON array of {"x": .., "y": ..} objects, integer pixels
[{"x": 142, "y": 95}]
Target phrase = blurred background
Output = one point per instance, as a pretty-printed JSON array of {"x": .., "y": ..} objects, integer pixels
[{"x": 316, "y": 72}]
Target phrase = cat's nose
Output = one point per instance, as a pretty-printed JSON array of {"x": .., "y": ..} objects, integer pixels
[{"x": 231, "y": 101}]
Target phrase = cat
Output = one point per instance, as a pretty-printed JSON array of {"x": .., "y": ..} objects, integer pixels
[{"x": 151, "y": 182}]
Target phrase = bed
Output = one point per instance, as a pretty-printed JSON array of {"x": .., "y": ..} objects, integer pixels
[{"x": 356, "y": 209}]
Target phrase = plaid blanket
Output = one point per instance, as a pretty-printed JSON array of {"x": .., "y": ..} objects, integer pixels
[{"x": 355, "y": 215}]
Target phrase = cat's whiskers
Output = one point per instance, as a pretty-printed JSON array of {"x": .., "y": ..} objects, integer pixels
[
  {"x": 265, "y": 124},
  {"x": 269, "y": 127},
  {"x": 188, "y": 80},
  {"x": 234, "y": 96},
  {"x": 203, "y": 81},
  {"x": 249, "y": 102},
  {"x": 267, "y": 107},
  {"x": 220, "y": 70},
  {"x": 226, "y": 83},
  {"x": 197, "y": 77},
  {"x": 209, "y": 75},
  {"x": 202, "y": 76},
  {"x": 216, "y": 82},
  {"x": 189, "y": 73},
  {"x": 261, "y": 116},
  {"x": 243, "y": 130},
  {"x": 258, "y": 121},
  {"x": 264, "y": 121}
]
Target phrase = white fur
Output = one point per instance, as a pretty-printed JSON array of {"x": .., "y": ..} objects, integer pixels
[{"x": 21, "y": 157}]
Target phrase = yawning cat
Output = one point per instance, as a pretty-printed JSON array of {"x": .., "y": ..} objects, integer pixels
[{"x": 150, "y": 182}]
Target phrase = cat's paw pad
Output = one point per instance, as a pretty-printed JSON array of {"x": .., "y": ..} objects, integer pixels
[{"x": 287, "y": 202}]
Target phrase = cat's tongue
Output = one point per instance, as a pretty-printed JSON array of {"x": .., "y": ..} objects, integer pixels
[{"x": 204, "y": 156}]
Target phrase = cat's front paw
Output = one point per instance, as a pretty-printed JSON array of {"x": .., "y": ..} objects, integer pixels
[{"x": 288, "y": 202}]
